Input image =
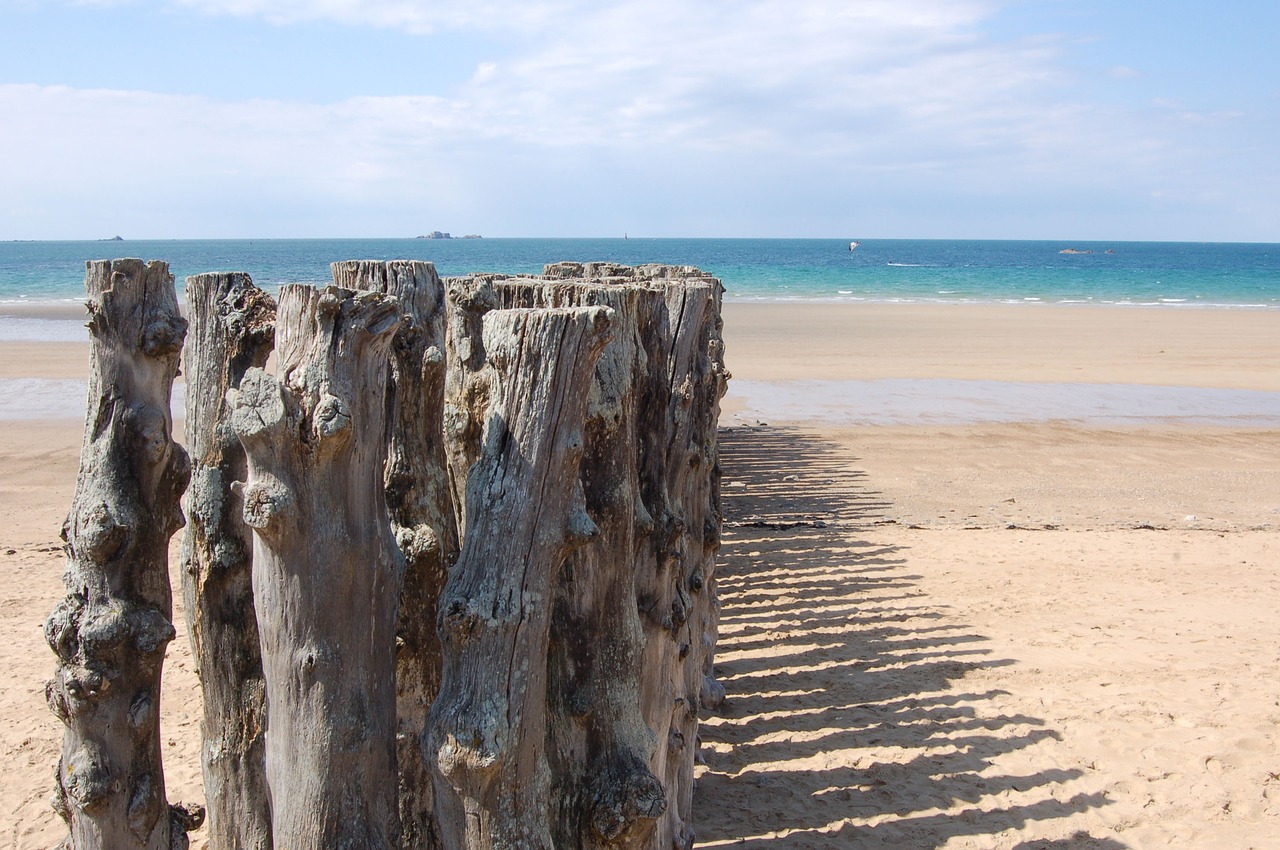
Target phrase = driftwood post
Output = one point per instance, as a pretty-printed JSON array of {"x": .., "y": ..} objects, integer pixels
[
  {"x": 634, "y": 616},
  {"x": 525, "y": 512},
  {"x": 676, "y": 403},
  {"x": 326, "y": 570},
  {"x": 232, "y": 329},
  {"x": 600, "y": 748},
  {"x": 421, "y": 510},
  {"x": 610, "y": 795},
  {"x": 111, "y": 630},
  {"x": 687, "y": 546}
]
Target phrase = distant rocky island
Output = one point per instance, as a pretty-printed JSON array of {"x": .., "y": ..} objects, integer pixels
[
  {"x": 1085, "y": 251},
  {"x": 436, "y": 234}
]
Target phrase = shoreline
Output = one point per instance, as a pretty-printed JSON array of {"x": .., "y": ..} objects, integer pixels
[
  {"x": 73, "y": 308},
  {"x": 868, "y": 364}
]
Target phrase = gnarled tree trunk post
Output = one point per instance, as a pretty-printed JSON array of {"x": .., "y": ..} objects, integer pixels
[
  {"x": 672, "y": 588},
  {"x": 111, "y": 630},
  {"x": 422, "y": 516},
  {"x": 232, "y": 330},
  {"x": 326, "y": 571},
  {"x": 525, "y": 512},
  {"x": 677, "y": 400},
  {"x": 612, "y": 797},
  {"x": 696, "y": 388},
  {"x": 623, "y": 672},
  {"x": 599, "y": 745}
]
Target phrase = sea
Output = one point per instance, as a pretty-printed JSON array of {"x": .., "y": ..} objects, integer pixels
[
  {"x": 1137, "y": 275},
  {"x": 1151, "y": 274}
]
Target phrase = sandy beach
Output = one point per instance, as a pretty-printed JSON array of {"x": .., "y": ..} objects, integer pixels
[{"x": 1022, "y": 631}]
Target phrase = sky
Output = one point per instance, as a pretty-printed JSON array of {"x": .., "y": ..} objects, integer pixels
[{"x": 1002, "y": 119}]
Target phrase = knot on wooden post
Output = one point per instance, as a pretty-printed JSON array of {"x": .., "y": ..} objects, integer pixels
[
  {"x": 87, "y": 779},
  {"x": 256, "y": 407},
  {"x": 265, "y": 503},
  {"x": 625, "y": 802},
  {"x": 331, "y": 419}
]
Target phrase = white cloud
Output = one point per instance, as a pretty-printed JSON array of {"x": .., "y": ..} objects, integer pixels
[
  {"x": 792, "y": 107},
  {"x": 96, "y": 154}
]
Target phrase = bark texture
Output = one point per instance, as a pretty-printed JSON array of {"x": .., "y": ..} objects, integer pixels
[
  {"x": 525, "y": 513},
  {"x": 111, "y": 629},
  {"x": 599, "y": 745},
  {"x": 420, "y": 504},
  {"x": 467, "y": 382},
  {"x": 232, "y": 331},
  {"x": 634, "y": 618},
  {"x": 675, "y": 587},
  {"x": 326, "y": 570},
  {"x": 677, "y": 406}
]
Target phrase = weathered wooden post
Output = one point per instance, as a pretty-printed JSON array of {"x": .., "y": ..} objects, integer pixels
[
  {"x": 635, "y": 611},
  {"x": 111, "y": 630},
  {"x": 599, "y": 745},
  {"x": 421, "y": 510},
  {"x": 686, "y": 562},
  {"x": 525, "y": 513},
  {"x": 326, "y": 571},
  {"x": 232, "y": 330}
]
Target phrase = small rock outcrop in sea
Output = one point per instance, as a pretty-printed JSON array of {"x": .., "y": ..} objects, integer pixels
[
  {"x": 1074, "y": 251},
  {"x": 435, "y": 234}
]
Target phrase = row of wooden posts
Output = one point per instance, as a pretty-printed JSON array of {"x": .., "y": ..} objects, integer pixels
[{"x": 448, "y": 566}]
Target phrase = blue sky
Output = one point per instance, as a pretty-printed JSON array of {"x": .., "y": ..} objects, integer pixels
[{"x": 862, "y": 118}]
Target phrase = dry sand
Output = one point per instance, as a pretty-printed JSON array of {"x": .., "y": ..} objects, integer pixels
[{"x": 1026, "y": 635}]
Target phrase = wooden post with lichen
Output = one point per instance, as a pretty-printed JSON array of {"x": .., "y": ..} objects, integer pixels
[
  {"x": 634, "y": 616},
  {"x": 525, "y": 513},
  {"x": 599, "y": 746},
  {"x": 326, "y": 570},
  {"x": 675, "y": 587},
  {"x": 111, "y": 629},
  {"x": 421, "y": 510},
  {"x": 232, "y": 330}
]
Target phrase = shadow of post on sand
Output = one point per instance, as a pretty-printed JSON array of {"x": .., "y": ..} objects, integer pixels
[{"x": 856, "y": 715}]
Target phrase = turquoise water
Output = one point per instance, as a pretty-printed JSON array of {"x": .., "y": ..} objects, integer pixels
[{"x": 1150, "y": 273}]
